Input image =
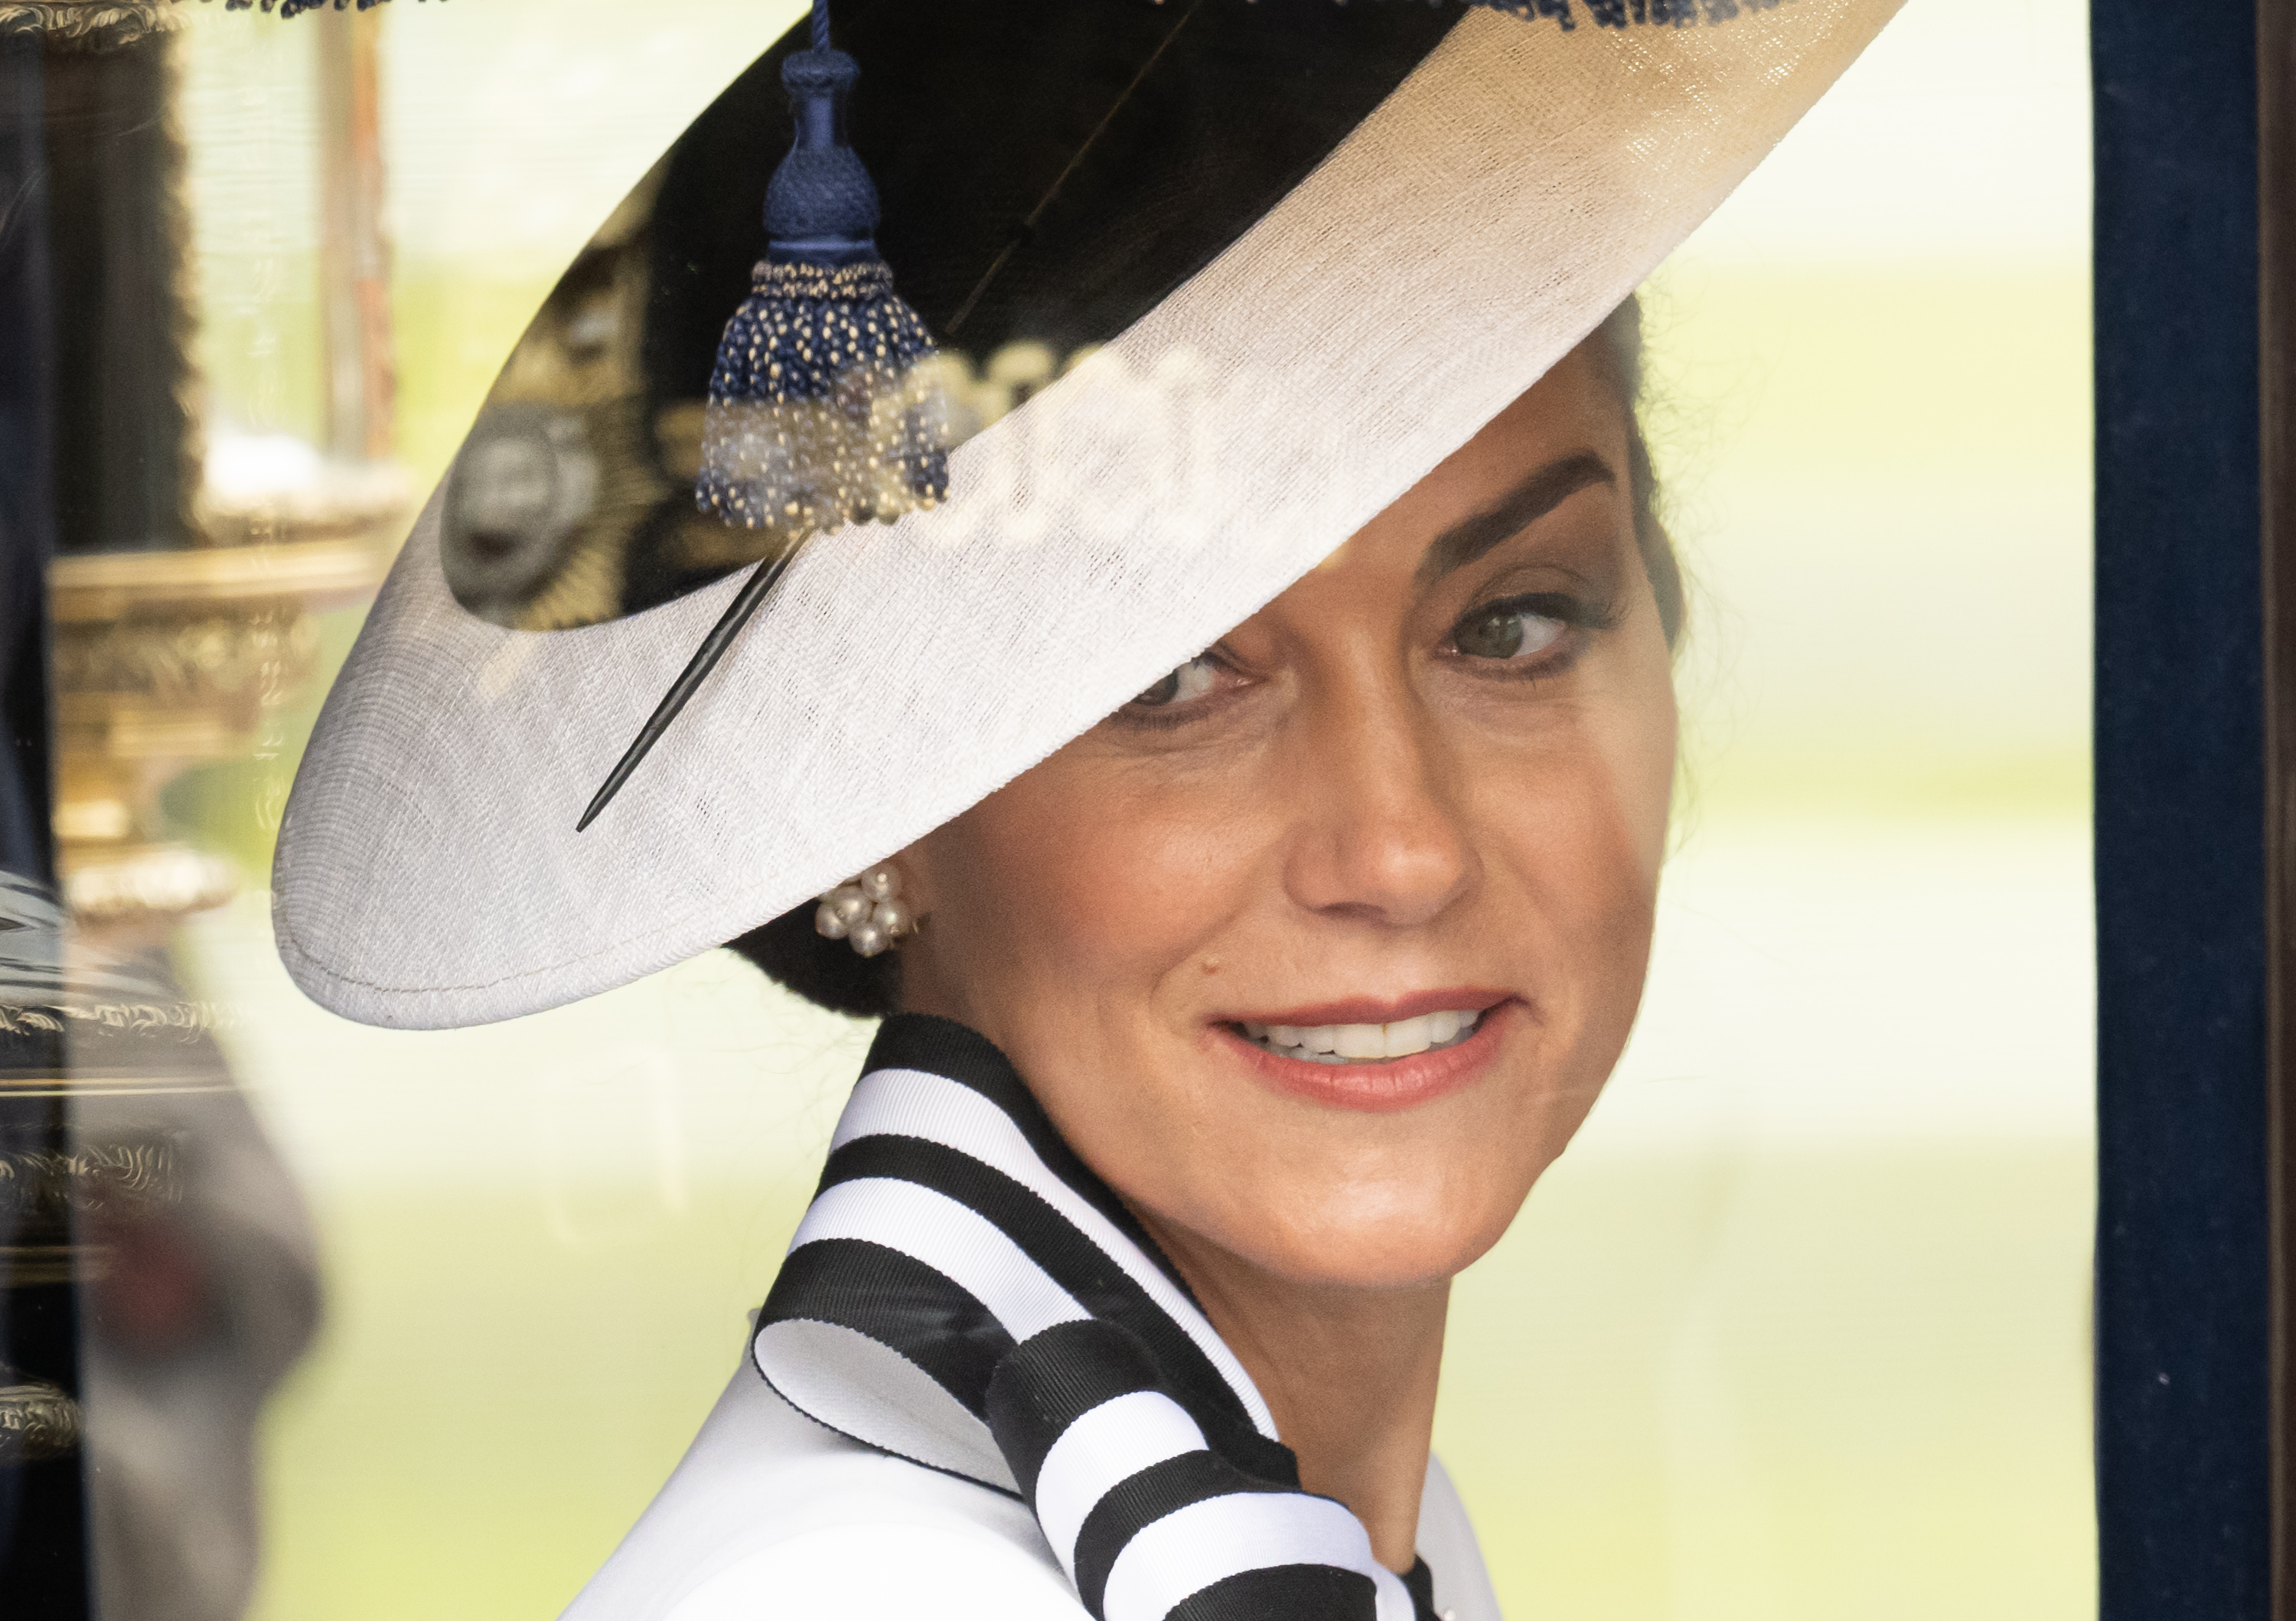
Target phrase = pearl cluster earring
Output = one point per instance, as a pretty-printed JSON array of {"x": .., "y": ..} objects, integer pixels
[{"x": 866, "y": 912}]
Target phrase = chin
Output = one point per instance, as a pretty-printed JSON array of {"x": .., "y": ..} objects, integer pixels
[{"x": 1370, "y": 1238}]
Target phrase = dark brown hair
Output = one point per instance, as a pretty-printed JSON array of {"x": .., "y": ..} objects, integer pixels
[
  {"x": 1619, "y": 352},
  {"x": 828, "y": 973}
]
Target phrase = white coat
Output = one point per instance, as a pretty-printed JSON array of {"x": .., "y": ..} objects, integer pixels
[{"x": 770, "y": 1516}]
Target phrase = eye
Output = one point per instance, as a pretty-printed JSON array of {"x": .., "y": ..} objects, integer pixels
[
  {"x": 1515, "y": 629},
  {"x": 1192, "y": 679}
]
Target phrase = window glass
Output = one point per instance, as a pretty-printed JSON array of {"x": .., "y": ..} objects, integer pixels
[{"x": 1797, "y": 1328}]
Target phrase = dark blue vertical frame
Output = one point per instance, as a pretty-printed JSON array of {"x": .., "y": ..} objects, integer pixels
[
  {"x": 44, "y": 1566},
  {"x": 2182, "y": 1353},
  {"x": 26, "y": 529}
]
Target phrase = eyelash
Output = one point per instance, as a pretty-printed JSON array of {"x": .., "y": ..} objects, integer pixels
[{"x": 1574, "y": 613}]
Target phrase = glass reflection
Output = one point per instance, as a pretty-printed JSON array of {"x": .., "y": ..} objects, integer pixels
[
  {"x": 1797, "y": 1330},
  {"x": 160, "y": 1267}
]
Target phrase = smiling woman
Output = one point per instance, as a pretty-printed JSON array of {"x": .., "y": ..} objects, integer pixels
[
  {"x": 1319, "y": 950},
  {"x": 1253, "y": 731}
]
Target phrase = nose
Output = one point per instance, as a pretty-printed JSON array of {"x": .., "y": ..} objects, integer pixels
[{"x": 1380, "y": 836}]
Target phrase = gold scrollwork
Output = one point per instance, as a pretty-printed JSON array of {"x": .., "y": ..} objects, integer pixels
[
  {"x": 94, "y": 1179},
  {"x": 37, "y": 1421},
  {"x": 257, "y": 657},
  {"x": 97, "y": 24}
]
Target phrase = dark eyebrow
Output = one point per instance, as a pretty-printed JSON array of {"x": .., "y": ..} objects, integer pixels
[{"x": 1540, "y": 493}]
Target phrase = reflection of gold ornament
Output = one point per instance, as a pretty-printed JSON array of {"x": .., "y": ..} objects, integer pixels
[
  {"x": 559, "y": 474},
  {"x": 187, "y": 561},
  {"x": 167, "y": 660},
  {"x": 37, "y": 1421},
  {"x": 45, "y": 1194},
  {"x": 93, "y": 24},
  {"x": 102, "y": 1178}
]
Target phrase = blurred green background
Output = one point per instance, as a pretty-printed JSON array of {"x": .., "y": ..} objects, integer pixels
[{"x": 1797, "y": 1329}]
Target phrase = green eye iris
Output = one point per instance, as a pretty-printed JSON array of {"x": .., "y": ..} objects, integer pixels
[{"x": 1506, "y": 632}]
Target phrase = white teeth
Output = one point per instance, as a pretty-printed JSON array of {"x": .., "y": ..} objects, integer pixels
[
  {"x": 1344, "y": 1043},
  {"x": 1407, "y": 1036}
]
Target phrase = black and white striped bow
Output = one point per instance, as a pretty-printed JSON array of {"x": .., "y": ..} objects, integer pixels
[{"x": 964, "y": 1292}]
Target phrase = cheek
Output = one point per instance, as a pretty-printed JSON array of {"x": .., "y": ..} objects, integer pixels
[
  {"x": 1588, "y": 840},
  {"x": 1588, "y": 807},
  {"x": 1625, "y": 791},
  {"x": 1572, "y": 831},
  {"x": 1091, "y": 894}
]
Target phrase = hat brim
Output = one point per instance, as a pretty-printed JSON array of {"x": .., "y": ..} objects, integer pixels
[{"x": 1478, "y": 223}]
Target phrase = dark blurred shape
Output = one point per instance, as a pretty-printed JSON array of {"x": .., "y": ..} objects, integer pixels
[
  {"x": 134, "y": 1169},
  {"x": 44, "y": 1553},
  {"x": 199, "y": 1292},
  {"x": 128, "y": 466},
  {"x": 26, "y": 520}
]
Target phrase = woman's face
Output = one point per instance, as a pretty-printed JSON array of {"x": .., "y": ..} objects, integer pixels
[{"x": 1410, "y": 814}]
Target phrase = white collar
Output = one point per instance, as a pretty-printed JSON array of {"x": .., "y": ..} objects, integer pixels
[{"x": 964, "y": 1293}]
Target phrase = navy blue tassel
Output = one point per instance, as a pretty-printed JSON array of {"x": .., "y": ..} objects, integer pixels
[{"x": 818, "y": 414}]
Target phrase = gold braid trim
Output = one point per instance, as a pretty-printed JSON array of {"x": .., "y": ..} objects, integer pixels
[
  {"x": 102, "y": 25},
  {"x": 99, "y": 25}
]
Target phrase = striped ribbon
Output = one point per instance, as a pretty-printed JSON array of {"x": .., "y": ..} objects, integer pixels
[{"x": 964, "y": 1293}]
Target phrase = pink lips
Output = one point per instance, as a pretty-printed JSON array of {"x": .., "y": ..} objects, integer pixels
[{"x": 1390, "y": 1085}]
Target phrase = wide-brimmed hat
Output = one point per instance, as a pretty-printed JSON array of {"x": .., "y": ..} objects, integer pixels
[{"x": 1219, "y": 281}]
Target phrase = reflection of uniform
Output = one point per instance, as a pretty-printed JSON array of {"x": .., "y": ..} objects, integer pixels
[
  {"x": 194, "y": 1309},
  {"x": 198, "y": 1271}
]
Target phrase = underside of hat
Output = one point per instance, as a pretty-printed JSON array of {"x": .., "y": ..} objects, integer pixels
[{"x": 1220, "y": 283}]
